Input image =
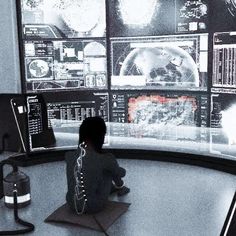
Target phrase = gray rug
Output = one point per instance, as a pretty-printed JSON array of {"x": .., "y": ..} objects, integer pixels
[{"x": 105, "y": 218}]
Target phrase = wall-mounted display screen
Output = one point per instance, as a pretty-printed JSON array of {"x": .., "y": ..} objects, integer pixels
[
  {"x": 162, "y": 116},
  {"x": 224, "y": 60},
  {"x": 157, "y": 17},
  {"x": 56, "y": 65},
  {"x": 160, "y": 72},
  {"x": 62, "y": 115},
  {"x": 59, "y": 18},
  {"x": 166, "y": 62}
]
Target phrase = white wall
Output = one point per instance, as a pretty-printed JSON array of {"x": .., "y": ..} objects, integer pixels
[{"x": 9, "y": 52}]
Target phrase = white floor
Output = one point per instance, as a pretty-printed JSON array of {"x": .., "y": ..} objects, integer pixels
[{"x": 167, "y": 199}]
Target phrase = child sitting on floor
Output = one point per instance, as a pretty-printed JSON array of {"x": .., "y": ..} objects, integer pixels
[{"x": 91, "y": 174}]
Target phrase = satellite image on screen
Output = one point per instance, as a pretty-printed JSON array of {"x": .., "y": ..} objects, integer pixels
[
  {"x": 167, "y": 62},
  {"x": 59, "y": 19},
  {"x": 40, "y": 68},
  {"x": 162, "y": 110},
  {"x": 161, "y": 116},
  {"x": 147, "y": 18},
  {"x": 157, "y": 17}
]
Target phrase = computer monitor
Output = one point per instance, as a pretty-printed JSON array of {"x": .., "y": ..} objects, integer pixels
[{"x": 161, "y": 73}]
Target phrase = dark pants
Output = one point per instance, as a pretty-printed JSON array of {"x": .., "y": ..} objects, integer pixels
[{"x": 101, "y": 198}]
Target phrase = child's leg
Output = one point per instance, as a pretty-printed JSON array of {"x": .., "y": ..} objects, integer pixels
[{"x": 120, "y": 189}]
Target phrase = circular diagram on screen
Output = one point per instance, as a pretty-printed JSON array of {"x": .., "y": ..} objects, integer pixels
[
  {"x": 164, "y": 66},
  {"x": 94, "y": 49},
  {"x": 38, "y": 68},
  {"x": 82, "y": 15},
  {"x": 137, "y": 14}
]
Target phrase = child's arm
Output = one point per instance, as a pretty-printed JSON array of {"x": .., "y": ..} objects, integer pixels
[{"x": 111, "y": 165}]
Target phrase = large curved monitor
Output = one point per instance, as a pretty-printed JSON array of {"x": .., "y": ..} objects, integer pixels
[
  {"x": 162, "y": 73},
  {"x": 163, "y": 122}
]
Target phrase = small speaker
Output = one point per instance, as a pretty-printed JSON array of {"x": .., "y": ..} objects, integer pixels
[{"x": 19, "y": 181}]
